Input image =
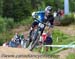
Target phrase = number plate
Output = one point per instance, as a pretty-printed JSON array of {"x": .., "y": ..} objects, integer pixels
[{"x": 41, "y": 25}]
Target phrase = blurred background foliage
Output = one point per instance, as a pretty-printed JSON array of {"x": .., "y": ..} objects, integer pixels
[{"x": 21, "y": 9}]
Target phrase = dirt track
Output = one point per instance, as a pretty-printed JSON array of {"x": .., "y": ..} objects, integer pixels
[
  {"x": 70, "y": 30},
  {"x": 20, "y": 53},
  {"x": 16, "y": 52}
]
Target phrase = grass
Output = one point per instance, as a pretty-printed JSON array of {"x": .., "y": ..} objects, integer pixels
[
  {"x": 71, "y": 56},
  {"x": 63, "y": 39},
  {"x": 59, "y": 37}
]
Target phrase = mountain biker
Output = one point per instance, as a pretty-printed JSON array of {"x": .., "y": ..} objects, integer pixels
[
  {"x": 43, "y": 16},
  {"x": 40, "y": 17}
]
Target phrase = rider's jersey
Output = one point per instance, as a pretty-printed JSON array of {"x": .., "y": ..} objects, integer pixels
[{"x": 40, "y": 16}]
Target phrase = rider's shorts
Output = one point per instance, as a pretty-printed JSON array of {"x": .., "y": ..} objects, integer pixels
[
  {"x": 48, "y": 41},
  {"x": 35, "y": 23}
]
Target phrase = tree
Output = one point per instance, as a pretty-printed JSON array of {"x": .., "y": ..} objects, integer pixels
[
  {"x": 22, "y": 9},
  {"x": 17, "y": 9},
  {"x": 8, "y": 8},
  {"x": 1, "y": 5},
  {"x": 36, "y": 4},
  {"x": 72, "y": 5}
]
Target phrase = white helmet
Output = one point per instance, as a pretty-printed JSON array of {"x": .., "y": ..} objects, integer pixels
[{"x": 48, "y": 9}]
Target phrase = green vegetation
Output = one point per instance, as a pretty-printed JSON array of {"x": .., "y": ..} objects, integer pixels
[
  {"x": 7, "y": 24},
  {"x": 71, "y": 56},
  {"x": 67, "y": 19},
  {"x": 21, "y": 9},
  {"x": 59, "y": 38},
  {"x": 27, "y": 21},
  {"x": 5, "y": 37}
]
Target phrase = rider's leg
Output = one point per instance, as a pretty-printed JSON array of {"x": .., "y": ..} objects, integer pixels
[
  {"x": 50, "y": 34},
  {"x": 49, "y": 31},
  {"x": 33, "y": 27},
  {"x": 30, "y": 33},
  {"x": 49, "y": 41},
  {"x": 42, "y": 29}
]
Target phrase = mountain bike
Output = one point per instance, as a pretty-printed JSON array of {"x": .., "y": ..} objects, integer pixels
[{"x": 36, "y": 36}]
